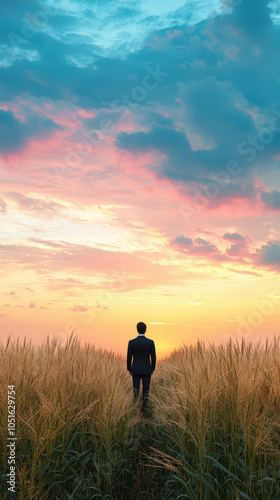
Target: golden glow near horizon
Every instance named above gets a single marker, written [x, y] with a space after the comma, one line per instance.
[102, 308]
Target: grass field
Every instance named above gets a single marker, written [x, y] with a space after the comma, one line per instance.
[212, 430]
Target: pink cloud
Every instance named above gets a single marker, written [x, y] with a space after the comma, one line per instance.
[12, 293]
[238, 244]
[79, 309]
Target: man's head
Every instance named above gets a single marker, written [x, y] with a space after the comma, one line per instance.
[141, 327]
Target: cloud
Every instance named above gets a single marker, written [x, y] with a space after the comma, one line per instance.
[252, 18]
[271, 199]
[238, 243]
[71, 285]
[238, 271]
[15, 133]
[3, 206]
[217, 114]
[198, 246]
[233, 237]
[34, 205]
[182, 240]
[211, 194]
[269, 254]
[120, 270]
[172, 144]
[3, 315]
[12, 293]
[105, 120]
[80, 308]
[32, 305]
[212, 109]
[214, 98]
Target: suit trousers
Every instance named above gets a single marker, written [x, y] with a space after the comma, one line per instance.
[146, 386]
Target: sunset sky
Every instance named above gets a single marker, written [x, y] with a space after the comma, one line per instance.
[139, 159]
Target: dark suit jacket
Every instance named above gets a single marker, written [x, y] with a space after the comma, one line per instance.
[141, 348]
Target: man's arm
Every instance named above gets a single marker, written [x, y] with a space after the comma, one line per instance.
[129, 357]
[153, 355]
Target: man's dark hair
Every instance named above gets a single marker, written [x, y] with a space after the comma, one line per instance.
[141, 327]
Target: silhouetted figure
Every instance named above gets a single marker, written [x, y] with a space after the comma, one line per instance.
[141, 349]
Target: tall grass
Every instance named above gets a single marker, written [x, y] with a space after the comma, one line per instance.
[212, 432]
[219, 408]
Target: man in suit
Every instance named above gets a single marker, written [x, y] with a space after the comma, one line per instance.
[141, 349]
